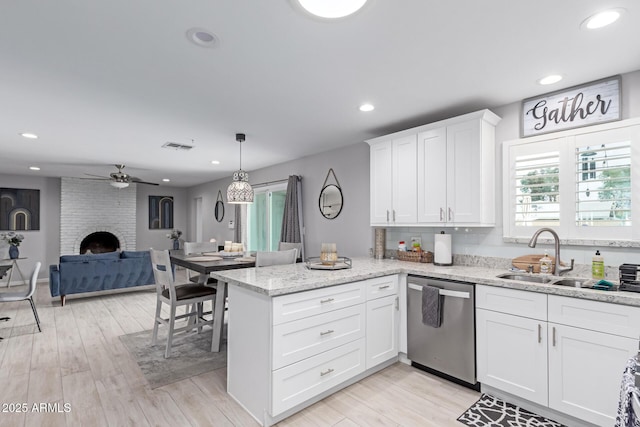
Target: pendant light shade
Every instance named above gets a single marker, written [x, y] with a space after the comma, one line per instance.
[240, 191]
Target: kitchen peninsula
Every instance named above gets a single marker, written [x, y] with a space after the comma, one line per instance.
[297, 335]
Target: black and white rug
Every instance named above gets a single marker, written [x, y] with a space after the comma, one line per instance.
[490, 411]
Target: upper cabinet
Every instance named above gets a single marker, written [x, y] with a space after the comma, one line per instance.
[438, 174]
[393, 181]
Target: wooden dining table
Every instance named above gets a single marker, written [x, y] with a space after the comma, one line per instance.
[197, 263]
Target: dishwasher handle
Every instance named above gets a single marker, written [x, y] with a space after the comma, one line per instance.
[444, 292]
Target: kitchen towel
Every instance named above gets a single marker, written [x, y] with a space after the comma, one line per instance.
[442, 249]
[431, 306]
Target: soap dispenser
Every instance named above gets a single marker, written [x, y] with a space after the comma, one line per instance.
[597, 266]
[545, 264]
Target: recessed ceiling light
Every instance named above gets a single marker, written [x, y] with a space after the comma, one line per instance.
[332, 8]
[602, 19]
[166, 180]
[34, 168]
[215, 162]
[29, 135]
[367, 107]
[550, 79]
[202, 37]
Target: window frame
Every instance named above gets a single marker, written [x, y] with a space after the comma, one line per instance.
[566, 142]
[257, 190]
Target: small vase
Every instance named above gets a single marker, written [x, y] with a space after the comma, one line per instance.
[176, 244]
[14, 253]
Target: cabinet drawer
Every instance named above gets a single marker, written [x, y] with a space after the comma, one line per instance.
[381, 287]
[294, 341]
[512, 301]
[615, 319]
[296, 383]
[304, 304]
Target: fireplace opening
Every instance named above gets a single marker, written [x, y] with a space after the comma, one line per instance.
[99, 242]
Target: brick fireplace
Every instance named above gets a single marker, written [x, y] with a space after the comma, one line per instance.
[90, 206]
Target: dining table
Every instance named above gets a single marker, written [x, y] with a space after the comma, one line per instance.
[205, 264]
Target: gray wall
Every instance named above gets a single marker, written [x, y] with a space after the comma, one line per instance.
[350, 230]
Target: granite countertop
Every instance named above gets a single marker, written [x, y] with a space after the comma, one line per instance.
[286, 279]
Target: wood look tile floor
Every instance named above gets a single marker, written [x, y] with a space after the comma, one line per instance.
[79, 361]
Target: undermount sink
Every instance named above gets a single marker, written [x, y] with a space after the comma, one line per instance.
[576, 283]
[525, 277]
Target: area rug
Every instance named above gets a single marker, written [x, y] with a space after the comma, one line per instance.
[190, 356]
[490, 411]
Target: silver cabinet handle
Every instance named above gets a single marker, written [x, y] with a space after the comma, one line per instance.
[394, 215]
[324, 301]
[327, 372]
[539, 333]
[330, 331]
[450, 215]
[441, 214]
[397, 303]
[383, 287]
[553, 340]
[387, 215]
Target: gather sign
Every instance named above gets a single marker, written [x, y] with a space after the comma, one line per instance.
[589, 104]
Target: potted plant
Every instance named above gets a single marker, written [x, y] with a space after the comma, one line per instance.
[14, 240]
[175, 236]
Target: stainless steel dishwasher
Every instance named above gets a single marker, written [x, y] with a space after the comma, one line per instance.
[450, 350]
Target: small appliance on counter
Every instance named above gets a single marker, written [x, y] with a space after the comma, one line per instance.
[629, 277]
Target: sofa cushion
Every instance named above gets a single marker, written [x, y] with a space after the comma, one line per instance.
[135, 254]
[89, 258]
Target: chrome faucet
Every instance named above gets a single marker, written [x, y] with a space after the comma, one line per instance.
[532, 244]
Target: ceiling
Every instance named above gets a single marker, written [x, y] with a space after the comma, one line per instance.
[110, 82]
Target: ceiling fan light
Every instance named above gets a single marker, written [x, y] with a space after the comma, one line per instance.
[119, 184]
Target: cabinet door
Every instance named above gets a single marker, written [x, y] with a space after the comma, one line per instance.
[512, 354]
[382, 330]
[432, 174]
[404, 182]
[585, 370]
[463, 172]
[380, 181]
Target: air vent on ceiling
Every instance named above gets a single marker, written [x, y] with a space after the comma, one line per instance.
[177, 146]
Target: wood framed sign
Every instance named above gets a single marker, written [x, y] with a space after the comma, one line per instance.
[584, 105]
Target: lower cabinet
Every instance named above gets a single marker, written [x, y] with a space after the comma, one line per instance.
[570, 358]
[382, 330]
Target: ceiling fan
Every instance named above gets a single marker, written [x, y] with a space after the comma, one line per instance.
[120, 179]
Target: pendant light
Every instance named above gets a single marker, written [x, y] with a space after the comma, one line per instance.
[240, 191]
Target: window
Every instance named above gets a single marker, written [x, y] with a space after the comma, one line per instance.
[264, 218]
[580, 183]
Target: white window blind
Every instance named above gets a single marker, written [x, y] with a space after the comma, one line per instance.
[603, 185]
[537, 189]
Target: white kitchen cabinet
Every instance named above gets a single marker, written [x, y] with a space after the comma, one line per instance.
[382, 330]
[452, 182]
[393, 181]
[456, 173]
[511, 350]
[564, 353]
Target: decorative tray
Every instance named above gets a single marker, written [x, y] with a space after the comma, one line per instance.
[314, 263]
[230, 254]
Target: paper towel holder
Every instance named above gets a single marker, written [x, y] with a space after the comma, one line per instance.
[435, 253]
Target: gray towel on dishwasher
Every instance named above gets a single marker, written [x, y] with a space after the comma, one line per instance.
[627, 416]
[431, 306]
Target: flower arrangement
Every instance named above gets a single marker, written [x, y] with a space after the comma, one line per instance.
[12, 238]
[175, 234]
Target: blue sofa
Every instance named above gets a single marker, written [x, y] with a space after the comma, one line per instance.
[99, 272]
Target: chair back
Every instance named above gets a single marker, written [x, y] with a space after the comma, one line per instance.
[199, 247]
[162, 272]
[34, 280]
[264, 259]
[284, 246]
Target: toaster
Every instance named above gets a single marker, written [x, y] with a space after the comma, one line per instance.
[629, 277]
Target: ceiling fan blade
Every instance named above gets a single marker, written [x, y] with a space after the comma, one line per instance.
[97, 176]
[139, 181]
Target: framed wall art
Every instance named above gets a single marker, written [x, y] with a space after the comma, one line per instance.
[160, 212]
[19, 209]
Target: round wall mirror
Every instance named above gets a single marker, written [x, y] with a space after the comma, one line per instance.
[330, 201]
[219, 208]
